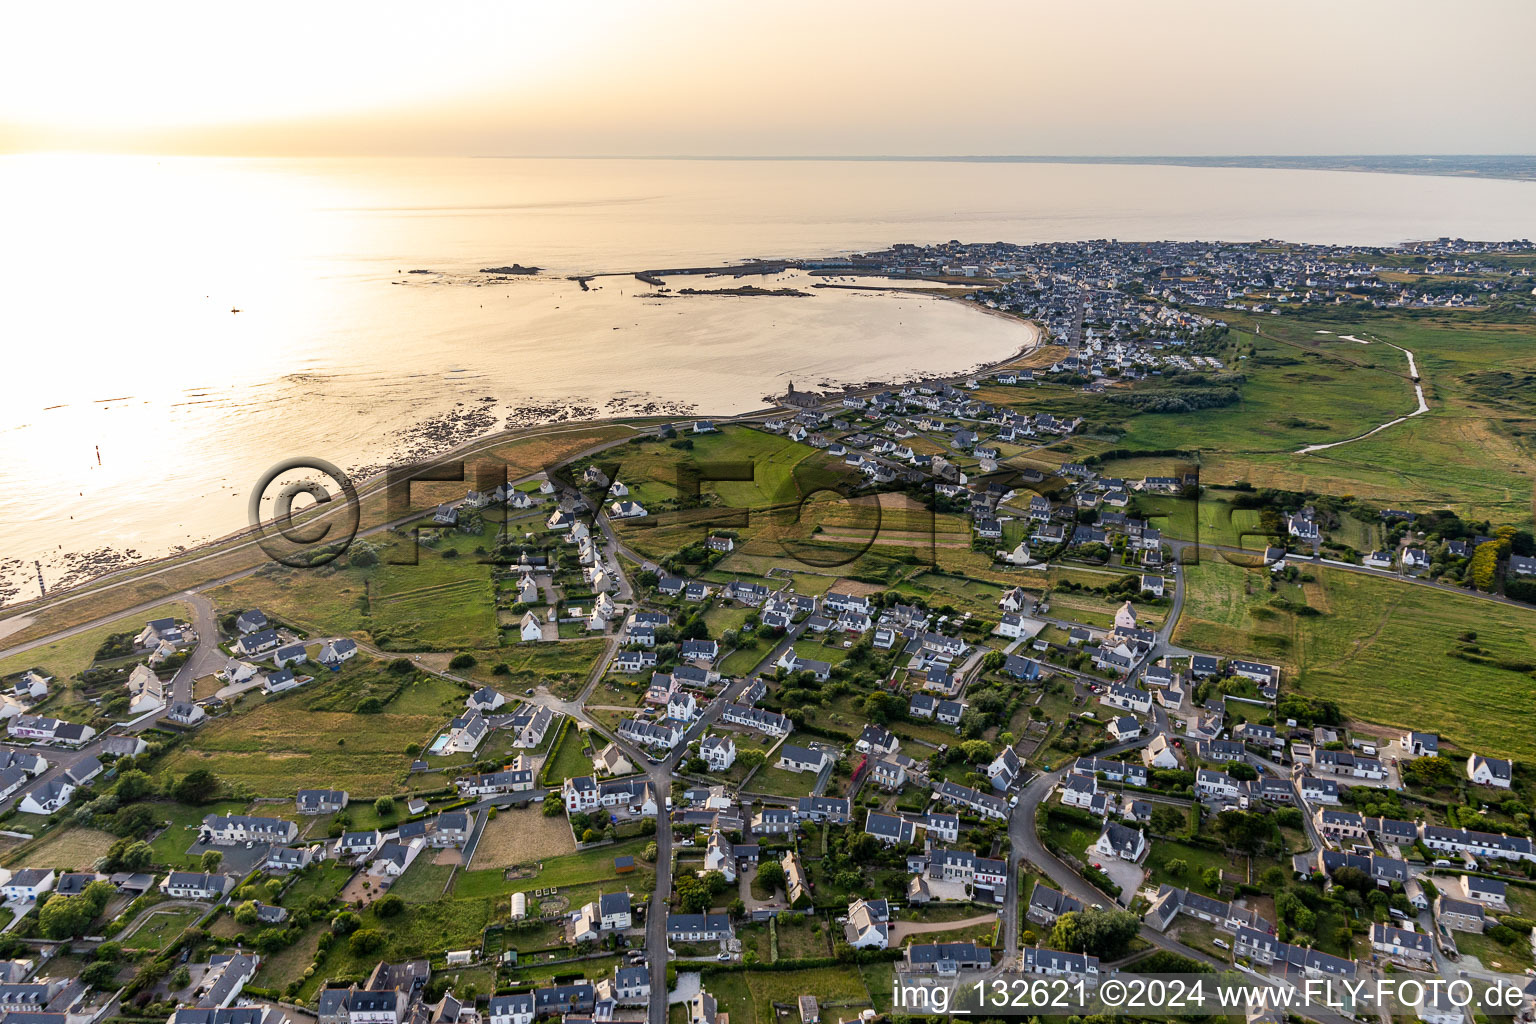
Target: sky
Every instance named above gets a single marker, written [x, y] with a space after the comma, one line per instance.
[848, 77]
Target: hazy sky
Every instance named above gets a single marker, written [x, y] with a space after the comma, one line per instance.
[1174, 77]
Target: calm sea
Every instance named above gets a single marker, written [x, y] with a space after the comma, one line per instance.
[120, 275]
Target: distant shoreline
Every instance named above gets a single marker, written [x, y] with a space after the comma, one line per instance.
[12, 613]
[1491, 166]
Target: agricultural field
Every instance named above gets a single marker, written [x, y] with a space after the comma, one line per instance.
[321, 736]
[1353, 650]
[522, 836]
[66, 849]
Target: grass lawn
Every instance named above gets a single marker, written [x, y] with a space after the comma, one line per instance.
[288, 965]
[161, 927]
[423, 881]
[1198, 860]
[569, 758]
[1516, 957]
[1352, 652]
[424, 930]
[803, 937]
[879, 979]
[537, 974]
[742, 661]
[1075, 839]
[318, 880]
[722, 617]
[537, 663]
[839, 987]
[778, 782]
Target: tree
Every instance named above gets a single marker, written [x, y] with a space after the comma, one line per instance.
[389, 906]
[366, 940]
[1243, 772]
[976, 751]
[1167, 821]
[883, 708]
[384, 807]
[345, 923]
[770, 874]
[133, 820]
[1241, 830]
[1212, 878]
[1430, 772]
[132, 785]
[462, 661]
[751, 758]
[182, 978]
[553, 805]
[211, 860]
[100, 975]
[245, 913]
[1102, 933]
[1177, 867]
[197, 787]
[362, 555]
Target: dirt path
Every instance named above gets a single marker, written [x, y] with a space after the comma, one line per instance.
[1418, 391]
[901, 929]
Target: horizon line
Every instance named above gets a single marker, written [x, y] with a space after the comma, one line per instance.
[993, 156]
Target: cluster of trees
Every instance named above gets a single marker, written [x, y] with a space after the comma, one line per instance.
[589, 827]
[1106, 934]
[125, 811]
[66, 917]
[697, 893]
[1308, 710]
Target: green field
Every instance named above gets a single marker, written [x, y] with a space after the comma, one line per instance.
[161, 927]
[73, 655]
[778, 782]
[568, 759]
[304, 739]
[1383, 649]
[323, 881]
[585, 867]
[1197, 859]
[652, 470]
[1301, 384]
[530, 664]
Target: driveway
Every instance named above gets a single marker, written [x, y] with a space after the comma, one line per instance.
[237, 859]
